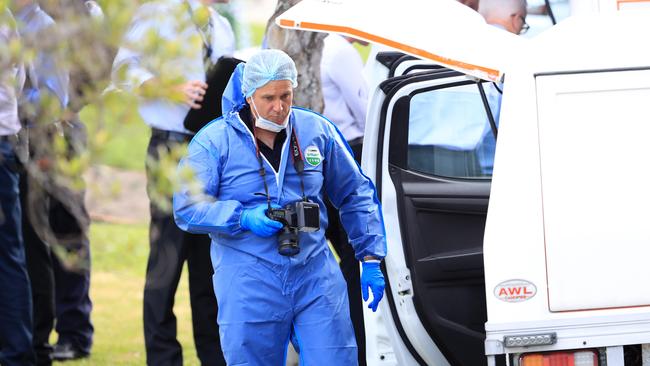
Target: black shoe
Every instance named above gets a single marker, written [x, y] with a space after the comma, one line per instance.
[66, 352]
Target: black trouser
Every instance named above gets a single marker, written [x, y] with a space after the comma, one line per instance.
[39, 267]
[336, 234]
[58, 292]
[169, 248]
[73, 305]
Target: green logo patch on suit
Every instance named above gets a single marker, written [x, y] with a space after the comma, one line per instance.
[313, 156]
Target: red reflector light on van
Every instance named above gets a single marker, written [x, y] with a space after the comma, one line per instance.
[562, 358]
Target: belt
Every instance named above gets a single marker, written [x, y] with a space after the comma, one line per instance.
[9, 138]
[357, 141]
[170, 135]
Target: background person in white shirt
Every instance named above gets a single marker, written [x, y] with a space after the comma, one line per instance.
[509, 15]
[345, 93]
[200, 36]
[344, 89]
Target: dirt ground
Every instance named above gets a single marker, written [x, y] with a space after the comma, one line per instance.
[116, 195]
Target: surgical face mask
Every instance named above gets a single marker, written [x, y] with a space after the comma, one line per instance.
[265, 124]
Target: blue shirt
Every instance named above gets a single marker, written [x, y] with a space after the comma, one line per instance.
[456, 119]
[487, 148]
[46, 72]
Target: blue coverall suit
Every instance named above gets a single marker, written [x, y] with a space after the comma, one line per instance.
[263, 295]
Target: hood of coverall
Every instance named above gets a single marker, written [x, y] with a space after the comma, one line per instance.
[233, 99]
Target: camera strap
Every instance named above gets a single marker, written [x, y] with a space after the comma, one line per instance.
[298, 161]
[298, 164]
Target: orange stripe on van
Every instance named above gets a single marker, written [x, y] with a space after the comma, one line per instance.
[619, 2]
[287, 23]
[490, 73]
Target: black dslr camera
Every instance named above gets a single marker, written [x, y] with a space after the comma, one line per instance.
[298, 216]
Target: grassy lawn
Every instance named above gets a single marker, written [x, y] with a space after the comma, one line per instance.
[117, 135]
[119, 255]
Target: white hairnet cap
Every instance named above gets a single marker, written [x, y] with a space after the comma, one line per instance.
[265, 66]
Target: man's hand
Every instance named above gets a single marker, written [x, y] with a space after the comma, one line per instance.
[193, 92]
[190, 92]
[255, 220]
[372, 277]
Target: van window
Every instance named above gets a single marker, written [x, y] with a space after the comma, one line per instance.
[449, 132]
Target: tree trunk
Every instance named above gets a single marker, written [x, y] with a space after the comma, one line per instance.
[305, 48]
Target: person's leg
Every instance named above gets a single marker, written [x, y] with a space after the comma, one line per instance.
[73, 304]
[203, 301]
[350, 269]
[254, 312]
[166, 257]
[15, 297]
[322, 322]
[41, 275]
[163, 273]
[73, 308]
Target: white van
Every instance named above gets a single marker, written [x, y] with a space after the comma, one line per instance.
[539, 255]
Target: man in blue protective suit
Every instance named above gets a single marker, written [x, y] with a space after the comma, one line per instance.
[263, 153]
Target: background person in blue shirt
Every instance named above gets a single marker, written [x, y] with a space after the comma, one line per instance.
[509, 15]
[265, 153]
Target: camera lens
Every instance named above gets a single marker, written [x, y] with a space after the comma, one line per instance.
[288, 242]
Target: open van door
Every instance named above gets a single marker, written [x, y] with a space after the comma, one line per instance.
[432, 166]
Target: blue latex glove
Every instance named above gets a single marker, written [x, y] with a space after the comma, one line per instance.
[255, 220]
[372, 277]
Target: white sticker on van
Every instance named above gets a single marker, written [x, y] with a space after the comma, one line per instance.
[515, 291]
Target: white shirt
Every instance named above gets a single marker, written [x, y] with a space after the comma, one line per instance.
[223, 34]
[344, 89]
[171, 21]
[12, 78]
